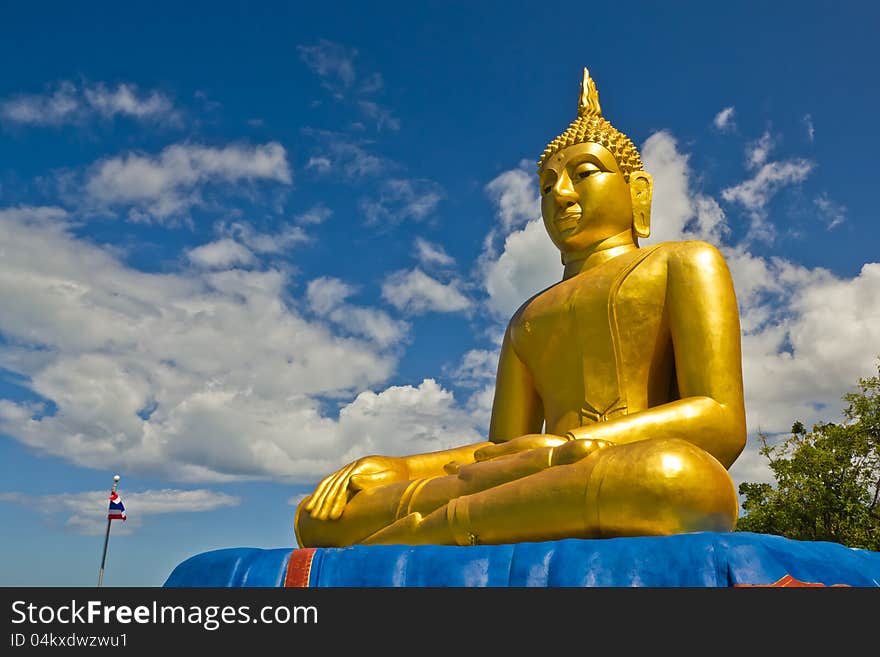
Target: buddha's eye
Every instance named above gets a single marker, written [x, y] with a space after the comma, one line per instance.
[547, 189]
[585, 170]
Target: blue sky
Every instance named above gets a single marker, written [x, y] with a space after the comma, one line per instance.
[241, 246]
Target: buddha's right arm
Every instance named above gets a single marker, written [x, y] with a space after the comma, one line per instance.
[516, 411]
[433, 464]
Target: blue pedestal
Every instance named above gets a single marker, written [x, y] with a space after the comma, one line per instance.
[685, 560]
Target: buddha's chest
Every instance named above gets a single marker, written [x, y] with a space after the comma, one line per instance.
[589, 341]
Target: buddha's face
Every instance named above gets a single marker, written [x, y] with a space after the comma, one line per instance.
[584, 197]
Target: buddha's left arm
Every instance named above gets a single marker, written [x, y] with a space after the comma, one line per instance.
[705, 330]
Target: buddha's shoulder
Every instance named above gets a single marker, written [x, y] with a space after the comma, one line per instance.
[540, 303]
[685, 250]
[691, 256]
[682, 255]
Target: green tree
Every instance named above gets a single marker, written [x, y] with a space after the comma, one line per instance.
[827, 480]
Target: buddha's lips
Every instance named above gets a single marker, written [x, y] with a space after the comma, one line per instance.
[568, 219]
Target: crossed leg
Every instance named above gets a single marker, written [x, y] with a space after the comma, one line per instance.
[651, 487]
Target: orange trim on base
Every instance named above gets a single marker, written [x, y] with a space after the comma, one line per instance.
[299, 568]
[788, 581]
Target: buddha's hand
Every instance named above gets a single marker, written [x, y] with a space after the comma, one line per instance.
[577, 449]
[331, 495]
[518, 444]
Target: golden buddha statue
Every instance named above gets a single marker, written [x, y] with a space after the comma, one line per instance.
[618, 401]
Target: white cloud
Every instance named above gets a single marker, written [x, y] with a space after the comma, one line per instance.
[833, 213]
[172, 182]
[677, 211]
[406, 420]
[199, 376]
[672, 206]
[296, 499]
[758, 150]
[371, 323]
[222, 254]
[86, 512]
[326, 293]
[125, 100]
[755, 193]
[316, 215]
[515, 193]
[327, 298]
[477, 367]
[529, 262]
[332, 62]
[379, 115]
[401, 199]
[724, 119]
[355, 161]
[751, 465]
[479, 405]
[807, 339]
[277, 242]
[68, 103]
[320, 164]
[415, 292]
[341, 152]
[372, 83]
[476, 372]
[60, 106]
[808, 336]
[432, 254]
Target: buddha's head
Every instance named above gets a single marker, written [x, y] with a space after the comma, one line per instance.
[591, 180]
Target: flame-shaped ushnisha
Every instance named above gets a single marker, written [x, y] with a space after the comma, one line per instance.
[591, 127]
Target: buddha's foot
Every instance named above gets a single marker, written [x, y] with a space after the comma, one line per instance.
[396, 532]
[415, 529]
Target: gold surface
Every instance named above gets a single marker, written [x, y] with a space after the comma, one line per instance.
[618, 400]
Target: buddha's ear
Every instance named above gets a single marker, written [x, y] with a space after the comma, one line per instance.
[641, 186]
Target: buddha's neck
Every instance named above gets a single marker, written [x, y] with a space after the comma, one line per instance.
[596, 254]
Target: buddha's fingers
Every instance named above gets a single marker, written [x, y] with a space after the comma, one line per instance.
[314, 506]
[361, 481]
[310, 503]
[338, 492]
[319, 492]
[452, 467]
[497, 452]
[324, 503]
[577, 449]
[487, 453]
[516, 445]
[356, 482]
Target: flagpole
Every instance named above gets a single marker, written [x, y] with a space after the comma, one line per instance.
[107, 535]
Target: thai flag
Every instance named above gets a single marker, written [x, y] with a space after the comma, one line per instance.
[117, 508]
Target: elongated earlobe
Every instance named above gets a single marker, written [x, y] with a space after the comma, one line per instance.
[641, 186]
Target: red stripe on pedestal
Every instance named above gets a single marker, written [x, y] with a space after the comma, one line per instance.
[299, 568]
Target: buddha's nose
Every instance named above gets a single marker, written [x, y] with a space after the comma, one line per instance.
[564, 192]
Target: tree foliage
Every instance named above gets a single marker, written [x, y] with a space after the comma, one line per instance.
[827, 480]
